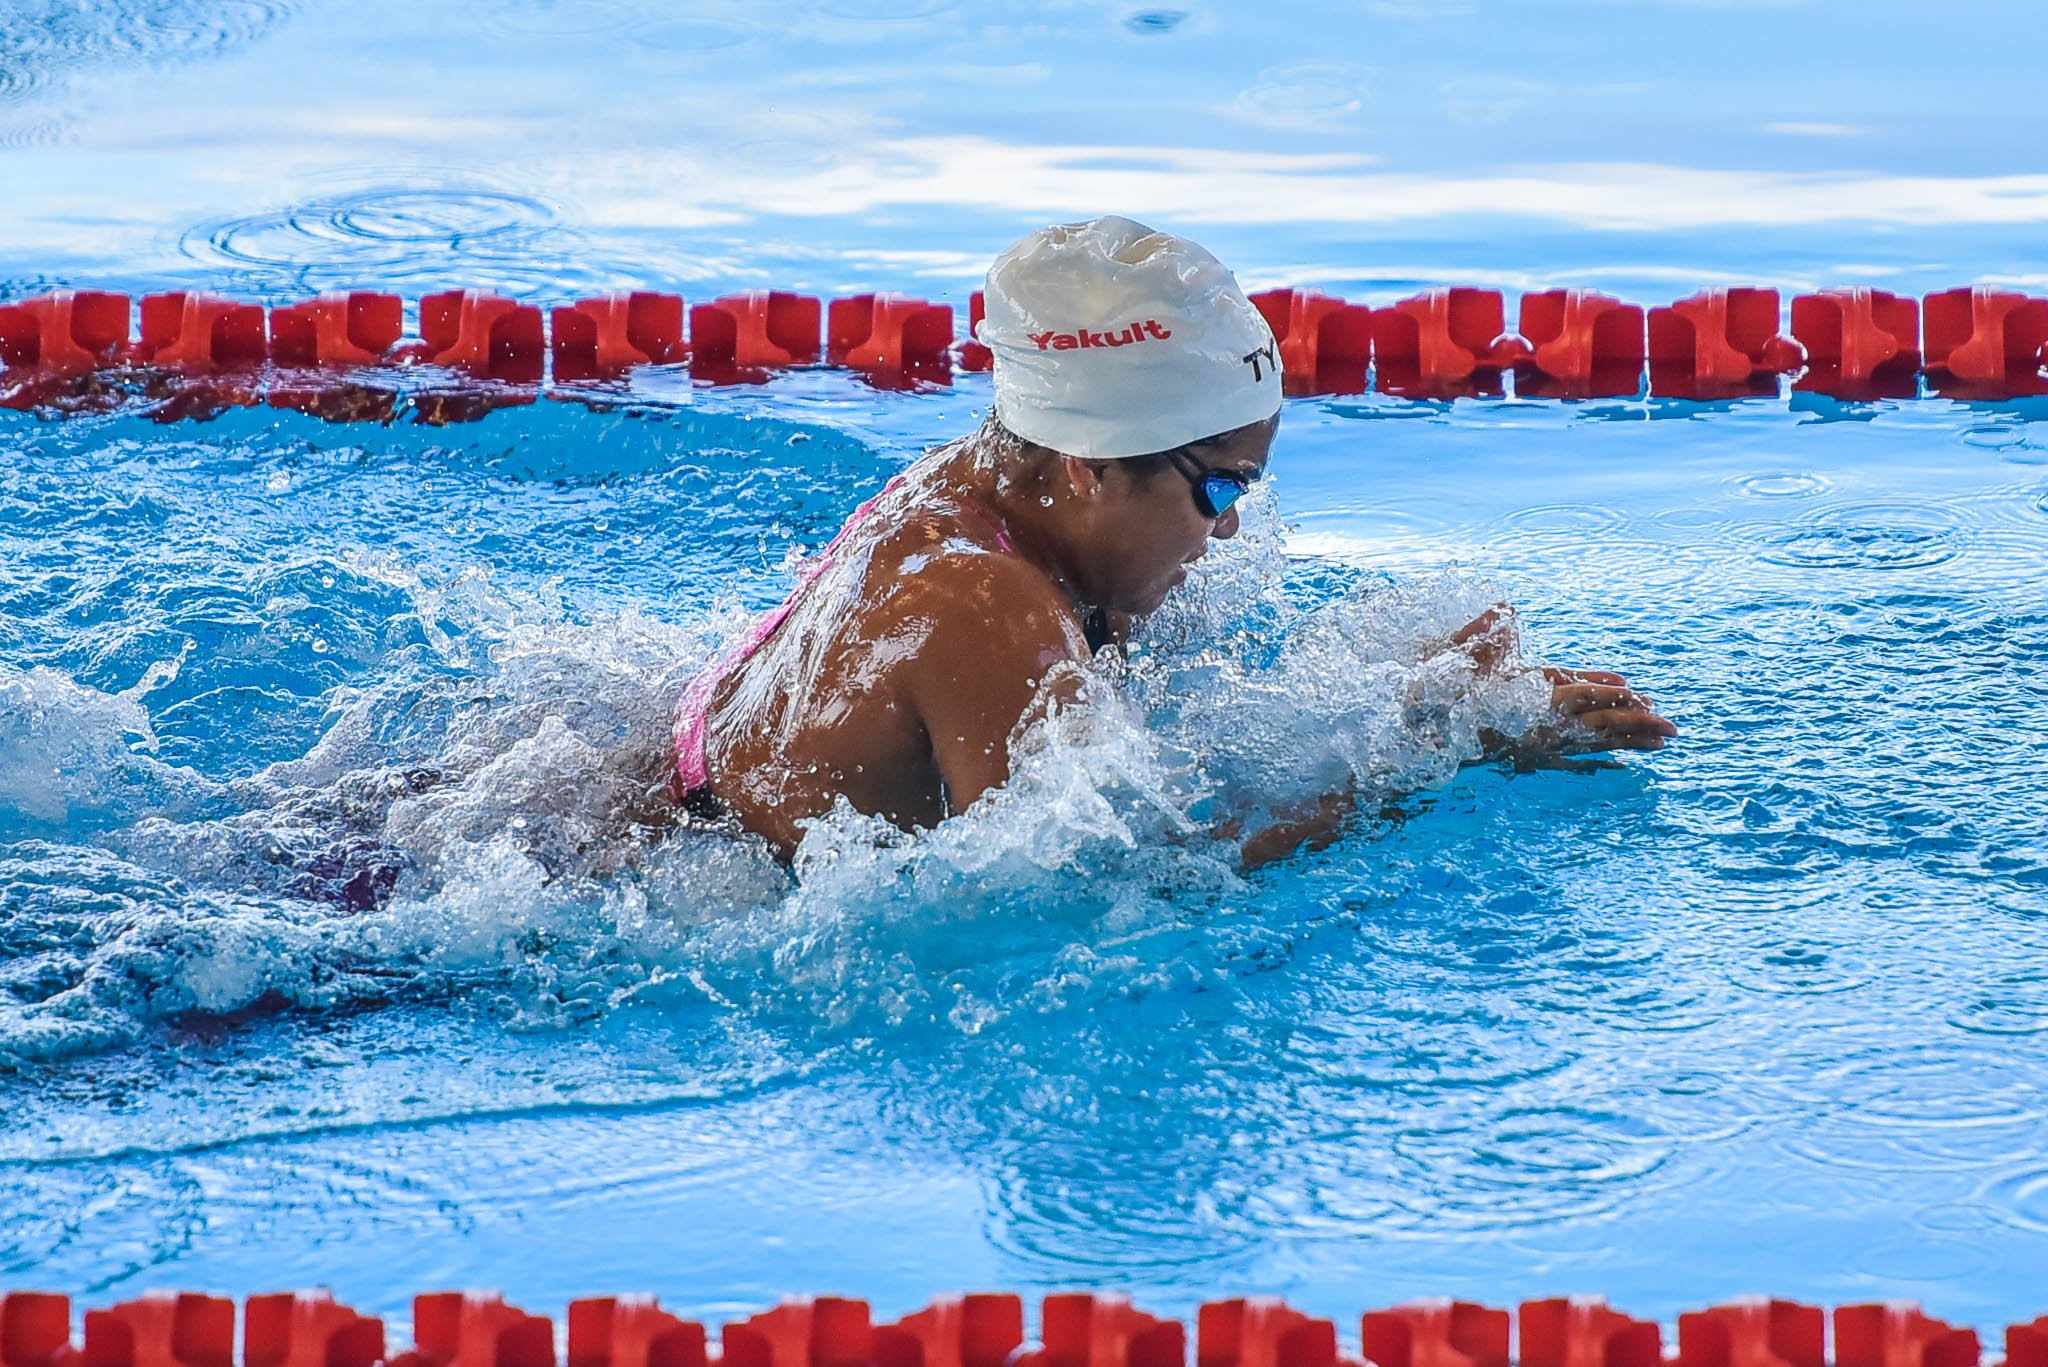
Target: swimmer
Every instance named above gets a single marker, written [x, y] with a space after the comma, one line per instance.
[1137, 393]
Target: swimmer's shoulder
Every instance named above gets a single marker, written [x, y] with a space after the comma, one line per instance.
[950, 573]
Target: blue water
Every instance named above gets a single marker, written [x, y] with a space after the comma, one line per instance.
[1766, 1011]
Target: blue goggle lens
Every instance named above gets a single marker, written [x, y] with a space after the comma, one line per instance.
[1219, 492]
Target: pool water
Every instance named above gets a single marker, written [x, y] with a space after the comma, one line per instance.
[324, 957]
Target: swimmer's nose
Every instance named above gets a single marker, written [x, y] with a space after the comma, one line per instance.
[1226, 525]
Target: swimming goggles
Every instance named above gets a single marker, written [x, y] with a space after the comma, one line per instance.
[1215, 490]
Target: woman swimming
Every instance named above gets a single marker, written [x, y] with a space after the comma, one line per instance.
[1137, 396]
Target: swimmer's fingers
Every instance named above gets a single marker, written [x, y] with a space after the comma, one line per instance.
[1609, 717]
[1620, 728]
[1577, 698]
[1601, 676]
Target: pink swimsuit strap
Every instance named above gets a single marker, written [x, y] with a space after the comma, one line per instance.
[693, 713]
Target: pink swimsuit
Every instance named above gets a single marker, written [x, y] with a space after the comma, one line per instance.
[693, 773]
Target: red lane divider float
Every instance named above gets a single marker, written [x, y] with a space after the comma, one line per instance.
[988, 1330]
[1442, 344]
[195, 354]
[896, 342]
[632, 1331]
[35, 1329]
[1325, 343]
[453, 1330]
[601, 339]
[183, 1330]
[740, 338]
[1262, 1333]
[1719, 344]
[1899, 1336]
[308, 1331]
[1579, 344]
[67, 333]
[2026, 1345]
[1860, 343]
[1987, 343]
[1756, 1334]
[1436, 1334]
[955, 1331]
[1580, 1332]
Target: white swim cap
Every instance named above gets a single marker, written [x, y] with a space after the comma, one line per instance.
[1112, 340]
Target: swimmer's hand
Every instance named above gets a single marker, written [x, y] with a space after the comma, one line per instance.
[1594, 709]
[1597, 710]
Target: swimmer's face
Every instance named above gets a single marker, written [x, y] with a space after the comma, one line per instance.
[1147, 526]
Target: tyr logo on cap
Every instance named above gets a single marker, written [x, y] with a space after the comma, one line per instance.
[1125, 336]
[1267, 353]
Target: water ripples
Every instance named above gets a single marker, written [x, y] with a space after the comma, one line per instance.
[1871, 536]
[1784, 484]
[396, 237]
[43, 40]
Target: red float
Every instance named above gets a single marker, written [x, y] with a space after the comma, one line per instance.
[1719, 344]
[1577, 344]
[603, 338]
[1081, 1330]
[1579, 1332]
[1860, 343]
[2026, 1345]
[1325, 343]
[1436, 1334]
[1899, 1336]
[1986, 343]
[336, 330]
[741, 337]
[956, 1331]
[71, 332]
[894, 340]
[483, 335]
[828, 1331]
[35, 1329]
[183, 1330]
[1441, 344]
[632, 1331]
[1262, 1333]
[453, 1330]
[199, 334]
[1753, 1334]
[308, 1331]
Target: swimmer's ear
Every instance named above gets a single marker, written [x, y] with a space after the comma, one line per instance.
[1084, 477]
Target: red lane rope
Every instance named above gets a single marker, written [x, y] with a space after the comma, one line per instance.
[199, 353]
[451, 1329]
